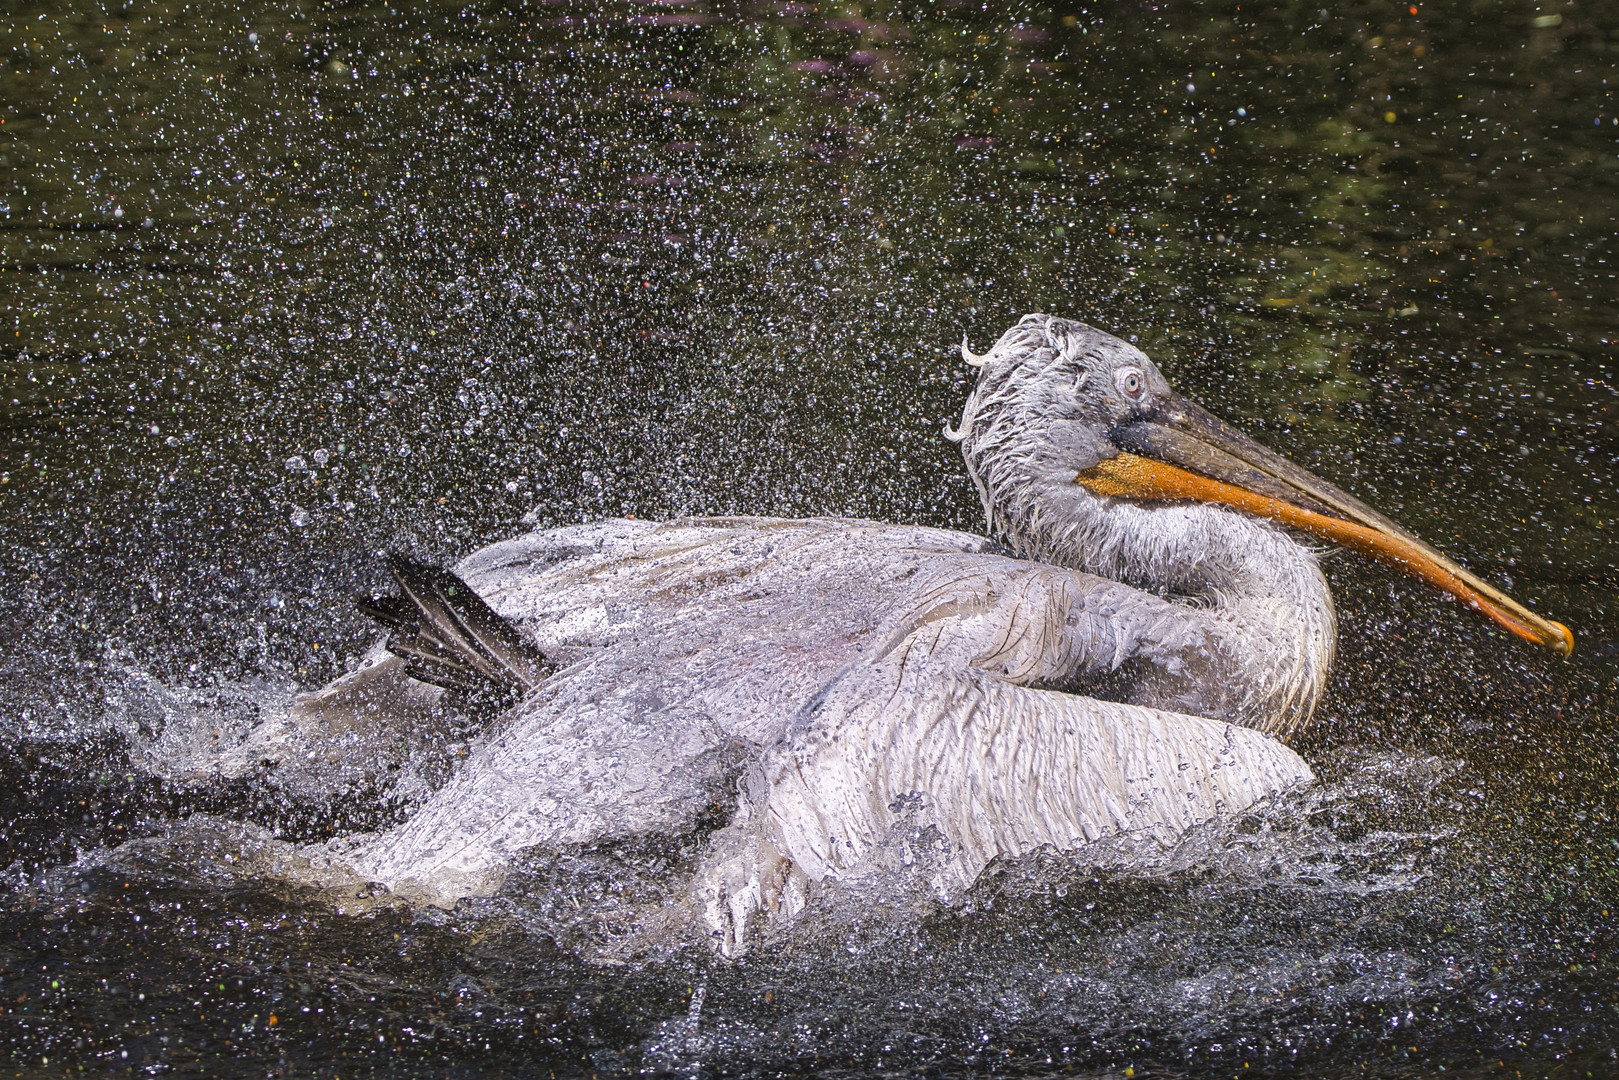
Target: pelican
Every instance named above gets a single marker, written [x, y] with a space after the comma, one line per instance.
[1126, 659]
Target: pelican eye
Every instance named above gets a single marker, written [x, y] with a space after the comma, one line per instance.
[1130, 381]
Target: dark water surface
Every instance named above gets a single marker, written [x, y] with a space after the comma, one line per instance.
[284, 285]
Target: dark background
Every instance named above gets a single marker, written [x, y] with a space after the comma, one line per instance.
[284, 285]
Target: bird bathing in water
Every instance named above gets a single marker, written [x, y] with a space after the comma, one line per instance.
[1126, 659]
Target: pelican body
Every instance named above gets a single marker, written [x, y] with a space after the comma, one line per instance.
[1123, 661]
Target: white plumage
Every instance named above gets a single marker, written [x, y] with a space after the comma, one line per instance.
[819, 681]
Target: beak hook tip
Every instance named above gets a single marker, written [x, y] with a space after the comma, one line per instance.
[1564, 645]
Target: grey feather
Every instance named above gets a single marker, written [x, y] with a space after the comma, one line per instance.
[448, 636]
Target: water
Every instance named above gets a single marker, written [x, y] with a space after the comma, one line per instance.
[288, 285]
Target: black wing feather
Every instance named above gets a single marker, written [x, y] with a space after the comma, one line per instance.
[447, 634]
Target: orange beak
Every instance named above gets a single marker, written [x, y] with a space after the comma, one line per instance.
[1131, 476]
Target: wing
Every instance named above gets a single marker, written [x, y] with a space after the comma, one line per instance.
[818, 580]
[689, 648]
[996, 768]
[1002, 769]
[953, 711]
[947, 724]
[751, 614]
[831, 590]
[852, 662]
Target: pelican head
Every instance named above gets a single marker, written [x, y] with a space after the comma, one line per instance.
[1085, 456]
